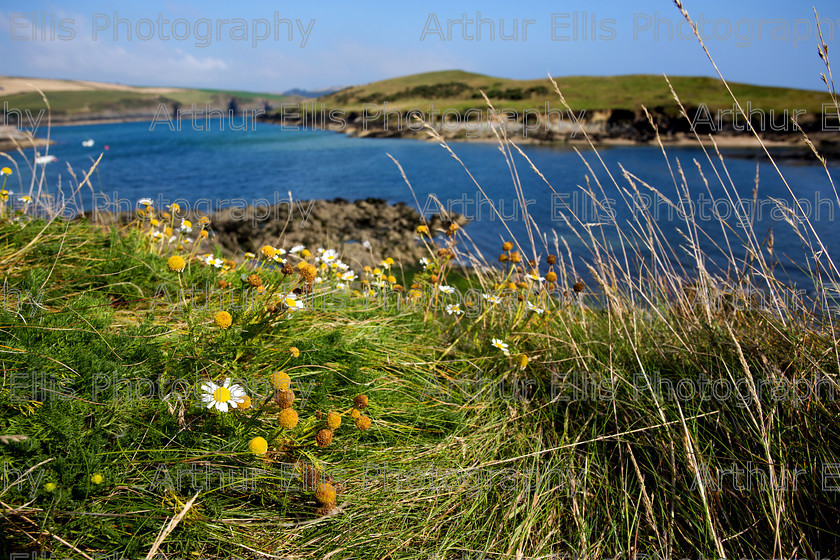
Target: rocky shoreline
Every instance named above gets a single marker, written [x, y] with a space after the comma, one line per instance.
[388, 229]
[607, 127]
[11, 139]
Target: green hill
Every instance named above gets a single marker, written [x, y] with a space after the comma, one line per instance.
[458, 90]
[76, 100]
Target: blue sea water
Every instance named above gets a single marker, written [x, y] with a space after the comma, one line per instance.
[262, 164]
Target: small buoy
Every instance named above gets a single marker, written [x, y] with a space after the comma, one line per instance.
[106, 147]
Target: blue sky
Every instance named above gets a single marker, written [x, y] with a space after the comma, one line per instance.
[771, 42]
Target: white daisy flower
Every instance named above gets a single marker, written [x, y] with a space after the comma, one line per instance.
[222, 397]
[534, 275]
[292, 302]
[146, 202]
[454, 308]
[348, 276]
[501, 346]
[329, 256]
[366, 244]
[447, 289]
[425, 262]
[173, 239]
[491, 298]
[297, 249]
[340, 286]
[534, 308]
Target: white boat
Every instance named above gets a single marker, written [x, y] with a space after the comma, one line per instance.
[87, 143]
[43, 160]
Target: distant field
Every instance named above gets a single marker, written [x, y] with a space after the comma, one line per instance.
[78, 99]
[459, 90]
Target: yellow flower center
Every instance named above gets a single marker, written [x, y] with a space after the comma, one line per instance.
[222, 394]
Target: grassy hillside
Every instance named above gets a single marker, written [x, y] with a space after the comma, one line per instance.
[107, 101]
[459, 90]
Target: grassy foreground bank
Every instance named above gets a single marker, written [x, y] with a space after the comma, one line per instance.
[509, 413]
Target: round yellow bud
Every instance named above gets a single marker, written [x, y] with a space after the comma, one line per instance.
[288, 418]
[268, 251]
[281, 381]
[223, 320]
[323, 438]
[360, 401]
[325, 493]
[258, 446]
[333, 421]
[176, 263]
[363, 423]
